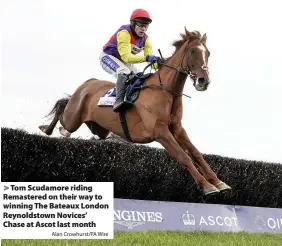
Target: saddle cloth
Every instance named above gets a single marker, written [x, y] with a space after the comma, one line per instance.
[132, 91]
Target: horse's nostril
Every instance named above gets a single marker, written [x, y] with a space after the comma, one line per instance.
[202, 81]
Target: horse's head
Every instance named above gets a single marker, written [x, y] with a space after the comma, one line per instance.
[194, 56]
[198, 62]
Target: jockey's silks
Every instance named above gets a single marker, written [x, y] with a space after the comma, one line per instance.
[126, 46]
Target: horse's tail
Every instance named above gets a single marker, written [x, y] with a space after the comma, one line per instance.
[59, 106]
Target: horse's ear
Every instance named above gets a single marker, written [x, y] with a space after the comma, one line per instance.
[187, 32]
[204, 38]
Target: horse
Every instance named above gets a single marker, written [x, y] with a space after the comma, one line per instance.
[156, 114]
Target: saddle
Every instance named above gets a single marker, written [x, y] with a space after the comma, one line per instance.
[133, 88]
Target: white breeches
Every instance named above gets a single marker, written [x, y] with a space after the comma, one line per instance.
[114, 66]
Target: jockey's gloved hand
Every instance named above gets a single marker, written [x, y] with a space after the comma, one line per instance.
[152, 58]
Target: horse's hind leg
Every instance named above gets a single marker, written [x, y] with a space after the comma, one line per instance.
[57, 110]
[48, 129]
[72, 118]
[69, 125]
[96, 129]
[64, 132]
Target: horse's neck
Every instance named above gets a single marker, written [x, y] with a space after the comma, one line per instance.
[171, 78]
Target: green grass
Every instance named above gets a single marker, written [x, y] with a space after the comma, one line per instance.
[152, 238]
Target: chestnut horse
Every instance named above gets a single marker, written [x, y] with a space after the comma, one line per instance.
[155, 116]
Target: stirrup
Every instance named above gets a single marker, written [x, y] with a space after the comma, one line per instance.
[122, 106]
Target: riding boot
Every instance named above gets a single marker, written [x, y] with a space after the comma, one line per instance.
[120, 104]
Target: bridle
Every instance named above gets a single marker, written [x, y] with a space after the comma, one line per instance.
[187, 71]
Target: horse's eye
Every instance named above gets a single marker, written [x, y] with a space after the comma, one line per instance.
[192, 50]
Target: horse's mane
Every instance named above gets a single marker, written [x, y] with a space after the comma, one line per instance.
[186, 36]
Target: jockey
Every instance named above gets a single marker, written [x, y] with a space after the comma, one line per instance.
[121, 52]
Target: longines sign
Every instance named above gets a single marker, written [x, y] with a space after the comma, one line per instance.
[139, 215]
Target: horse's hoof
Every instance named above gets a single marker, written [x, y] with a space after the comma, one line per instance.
[43, 128]
[211, 191]
[93, 139]
[64, 132]
[223, 187]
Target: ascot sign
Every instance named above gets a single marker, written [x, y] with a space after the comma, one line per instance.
[210, 220]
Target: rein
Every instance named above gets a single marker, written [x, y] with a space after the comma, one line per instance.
[161, 85]
[186, 71]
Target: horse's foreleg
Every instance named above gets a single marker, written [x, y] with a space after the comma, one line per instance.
[166, 139]
[182, 138]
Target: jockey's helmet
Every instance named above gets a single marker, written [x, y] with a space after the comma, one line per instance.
[140, 15]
